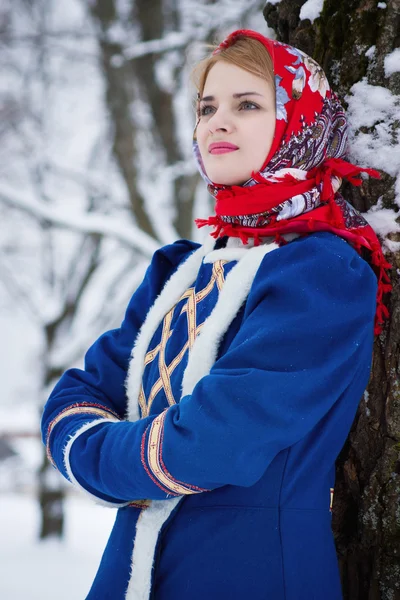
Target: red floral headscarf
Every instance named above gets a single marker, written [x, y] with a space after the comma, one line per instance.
[296, 190]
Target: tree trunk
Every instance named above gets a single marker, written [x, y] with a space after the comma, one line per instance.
[119, 80]
[51, 492]
[137, 78]
[366, 509]
[51, 486]
[153, 18]
[51, 500]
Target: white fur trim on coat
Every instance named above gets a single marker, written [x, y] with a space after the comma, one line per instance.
[201, 358]
[147, 530]
[235, 249]
[153, 517]
[235, 291]
[178, 283]
[225, 254]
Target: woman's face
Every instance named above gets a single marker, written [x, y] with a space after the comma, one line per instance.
[237, 123]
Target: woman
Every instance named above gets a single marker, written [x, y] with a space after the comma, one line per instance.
[213, 416]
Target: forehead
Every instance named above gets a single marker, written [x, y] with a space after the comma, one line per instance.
[225, 77]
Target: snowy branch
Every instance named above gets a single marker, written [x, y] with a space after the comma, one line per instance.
[19, 292]
[171, 41]
[128, 235]
[75, 346]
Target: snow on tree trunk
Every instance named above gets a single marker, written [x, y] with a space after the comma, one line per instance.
[355, 42]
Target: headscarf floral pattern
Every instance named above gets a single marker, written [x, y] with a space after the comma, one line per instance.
[311, 127]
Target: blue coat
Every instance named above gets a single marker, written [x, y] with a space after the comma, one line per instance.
[213, 420]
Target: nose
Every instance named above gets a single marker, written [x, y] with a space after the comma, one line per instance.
[220, 121]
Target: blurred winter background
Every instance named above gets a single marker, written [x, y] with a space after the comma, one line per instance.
[96, 172]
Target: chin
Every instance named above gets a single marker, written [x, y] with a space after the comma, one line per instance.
[228, 180]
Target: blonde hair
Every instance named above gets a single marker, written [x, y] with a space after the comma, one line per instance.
[247, 53]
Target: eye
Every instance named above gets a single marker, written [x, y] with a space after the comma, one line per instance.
[205, 110]
[247, 105]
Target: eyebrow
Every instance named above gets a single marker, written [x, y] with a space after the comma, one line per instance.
[212, 98]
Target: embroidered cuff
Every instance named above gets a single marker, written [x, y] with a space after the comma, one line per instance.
[83, 408]
[152, 460]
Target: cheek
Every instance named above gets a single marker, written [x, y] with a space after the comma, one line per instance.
[201, 140]
[262, 137]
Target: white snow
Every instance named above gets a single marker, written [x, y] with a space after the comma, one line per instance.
[382, 5]
[392, 62]
[77, 220]
[369, 104]
[19, 353]
[51, 569]
[85, 327]
[392, 247]
[370, 52]
[19, 417]
[378, 146]
[117, 61]
[382, 220]
[173, 40]
[116, 33]
[372, 112]
[311, 10]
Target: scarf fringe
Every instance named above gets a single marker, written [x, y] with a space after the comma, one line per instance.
[384, 287]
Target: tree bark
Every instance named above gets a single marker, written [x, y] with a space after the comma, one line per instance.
[366, 508]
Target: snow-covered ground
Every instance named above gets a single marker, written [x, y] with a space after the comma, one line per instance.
[33, 570]
[54, 569]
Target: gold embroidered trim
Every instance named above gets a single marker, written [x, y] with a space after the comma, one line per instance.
[153, 454]
[190, 307]
[164, 373]
[75, 410]
[92, 410]
[158, 385]
[191, 318]
[218, 272]
[150, 356]
[142, 402]
[142, 504]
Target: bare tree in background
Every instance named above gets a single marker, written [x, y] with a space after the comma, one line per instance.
[366, 511]
[152, 73]
[86, 228]
[52, 266]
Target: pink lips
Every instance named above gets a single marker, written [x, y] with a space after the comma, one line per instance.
[221, 148]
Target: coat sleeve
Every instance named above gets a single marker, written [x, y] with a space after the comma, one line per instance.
[84, 399]
[307, 332]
